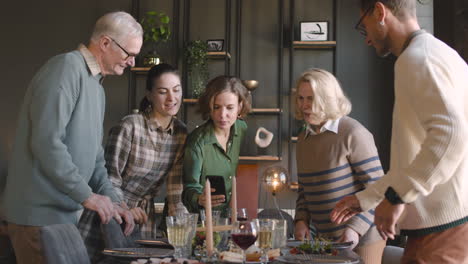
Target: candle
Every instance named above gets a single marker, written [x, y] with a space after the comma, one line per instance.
[234, 200]
[209, 219]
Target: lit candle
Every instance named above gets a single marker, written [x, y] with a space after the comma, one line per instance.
[234, 200]
[209, 219]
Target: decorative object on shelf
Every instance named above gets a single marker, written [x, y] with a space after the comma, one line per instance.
[215, 44]
[266, 140]
[314, 31]
[251, 85]
[197, 66]
[156, 30]
[275, 178]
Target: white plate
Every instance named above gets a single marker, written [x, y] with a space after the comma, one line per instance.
[317, 259]
[139, 252]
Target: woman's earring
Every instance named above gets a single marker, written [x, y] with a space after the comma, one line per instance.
[149, 109]
[382, 23]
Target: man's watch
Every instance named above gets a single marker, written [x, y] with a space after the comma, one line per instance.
[393, 197]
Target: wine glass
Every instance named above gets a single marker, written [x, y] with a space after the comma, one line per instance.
[178, 232]
[244, 235]
[242, 215]
[265, 236]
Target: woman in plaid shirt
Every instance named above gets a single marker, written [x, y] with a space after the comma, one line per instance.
[142, 152]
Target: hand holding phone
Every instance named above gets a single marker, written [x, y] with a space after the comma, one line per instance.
[218, 191]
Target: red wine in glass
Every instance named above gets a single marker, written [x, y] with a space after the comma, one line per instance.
[244, 235]
[242, 215]
[244, 241]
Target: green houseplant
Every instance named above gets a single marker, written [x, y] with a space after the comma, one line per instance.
[156, 30]
[197, 65]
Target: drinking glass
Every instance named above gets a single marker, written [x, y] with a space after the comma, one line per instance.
[215, 215]
[177, 227]
[244, 235]
[280, 233]
[192, 226]
[266, 228]
[242, 215]
[223, 244]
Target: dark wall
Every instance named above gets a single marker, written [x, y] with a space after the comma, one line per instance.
[451, 24]
[35, 31]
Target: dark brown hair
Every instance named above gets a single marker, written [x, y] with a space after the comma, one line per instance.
[153, 75]
[402, 9]
[219, 85]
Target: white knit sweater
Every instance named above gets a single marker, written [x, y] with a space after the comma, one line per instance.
[429, 157]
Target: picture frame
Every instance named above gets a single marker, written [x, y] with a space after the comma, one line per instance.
[314, 30]
[215, 44]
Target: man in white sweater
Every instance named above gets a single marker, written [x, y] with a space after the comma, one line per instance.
[425, 192]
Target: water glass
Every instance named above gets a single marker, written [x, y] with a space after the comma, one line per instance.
[280, 233]
[215, 215]
[192, 226]
[224, 235]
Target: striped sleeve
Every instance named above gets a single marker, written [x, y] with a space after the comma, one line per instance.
[366, 167]
[302, 213]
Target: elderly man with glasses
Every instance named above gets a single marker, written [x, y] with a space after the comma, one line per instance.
[57, 164]
[425, 192]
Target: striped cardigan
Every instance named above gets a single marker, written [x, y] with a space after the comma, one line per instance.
[331, 166]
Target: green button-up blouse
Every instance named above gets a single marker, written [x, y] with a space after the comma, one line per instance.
[205, 156]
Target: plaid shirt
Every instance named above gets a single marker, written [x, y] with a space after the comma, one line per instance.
[140, 156]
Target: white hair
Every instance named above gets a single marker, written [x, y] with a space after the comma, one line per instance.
[330, 102]
[118, 25]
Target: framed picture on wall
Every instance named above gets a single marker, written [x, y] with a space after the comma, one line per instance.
[215, 44]
[314, 31]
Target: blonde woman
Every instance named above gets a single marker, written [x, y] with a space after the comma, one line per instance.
[336, 156]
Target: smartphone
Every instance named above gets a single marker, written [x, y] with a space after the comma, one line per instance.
[217, 182]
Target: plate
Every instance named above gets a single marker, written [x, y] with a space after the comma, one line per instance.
[139, 252]
[160, 243]
[317, 259]
[335, 245]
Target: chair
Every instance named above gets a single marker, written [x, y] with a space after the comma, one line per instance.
[63, 245]
[279, 214]
[392, 255]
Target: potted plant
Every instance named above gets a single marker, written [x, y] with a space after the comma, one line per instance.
[156, 30]
[197, 66]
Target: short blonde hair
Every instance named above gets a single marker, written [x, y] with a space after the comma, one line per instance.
[118, 25]
[329, 102]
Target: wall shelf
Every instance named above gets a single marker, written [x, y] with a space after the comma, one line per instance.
[314, 44]
[190, 101]
[140, 69]
[218, 55]
[265, 111]
[259, 158]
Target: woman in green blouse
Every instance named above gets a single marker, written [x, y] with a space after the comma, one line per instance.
[213, 148]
